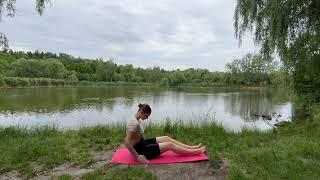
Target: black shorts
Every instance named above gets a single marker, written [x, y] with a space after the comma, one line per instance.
[148, 147]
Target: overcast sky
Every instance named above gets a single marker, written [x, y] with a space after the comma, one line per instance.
[167, 33]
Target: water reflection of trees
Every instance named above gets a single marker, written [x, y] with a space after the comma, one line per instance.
[60, 99]
[239, 103]
[249, 104]
[68, 99]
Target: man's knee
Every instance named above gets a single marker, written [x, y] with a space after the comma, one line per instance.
[166, 146]
[164, 138]
[170, 144]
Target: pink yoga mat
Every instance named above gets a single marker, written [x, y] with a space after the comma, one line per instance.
[123, 156]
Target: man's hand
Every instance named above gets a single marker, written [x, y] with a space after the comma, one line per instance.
[142, 159]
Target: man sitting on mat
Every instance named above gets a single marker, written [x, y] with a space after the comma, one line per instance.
[144, 149]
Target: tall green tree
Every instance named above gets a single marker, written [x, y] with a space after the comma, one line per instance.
[290, 28]
[32, 68]
[105, 71]
[251, 69]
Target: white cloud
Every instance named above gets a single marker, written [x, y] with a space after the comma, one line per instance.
[165, 33]
[20, 48]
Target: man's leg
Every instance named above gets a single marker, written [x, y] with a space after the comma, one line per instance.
[180, 150]
[163, 139]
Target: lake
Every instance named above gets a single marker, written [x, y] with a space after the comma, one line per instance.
[76, 107]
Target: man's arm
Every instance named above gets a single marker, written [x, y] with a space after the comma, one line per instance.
[128, 144]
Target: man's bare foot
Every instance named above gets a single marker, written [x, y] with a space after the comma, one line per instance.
[197, 146]
[200, 150]
[203, 149]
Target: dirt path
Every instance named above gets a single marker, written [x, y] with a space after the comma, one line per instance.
[196, 170]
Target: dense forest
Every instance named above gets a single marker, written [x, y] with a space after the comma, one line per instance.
[248, 70]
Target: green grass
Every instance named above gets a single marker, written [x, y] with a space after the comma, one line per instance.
[116, 172]
[47, 146]
[62, 177]
[291, 152]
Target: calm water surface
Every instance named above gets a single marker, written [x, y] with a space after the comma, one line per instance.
[75, 107]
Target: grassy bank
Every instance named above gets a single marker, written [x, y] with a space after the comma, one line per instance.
[291, 152]
[13, 82]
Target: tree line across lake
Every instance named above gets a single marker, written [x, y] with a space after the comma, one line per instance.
[249, 70]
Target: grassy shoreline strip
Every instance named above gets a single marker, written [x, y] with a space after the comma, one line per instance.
[290, 152]
[17, 82]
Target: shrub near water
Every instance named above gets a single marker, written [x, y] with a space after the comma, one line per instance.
[26, 82]
[1, 81]
[9, 81]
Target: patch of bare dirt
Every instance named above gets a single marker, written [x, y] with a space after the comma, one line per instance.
[203, 170]
[100, 157]
[13, 175]
[63, 169]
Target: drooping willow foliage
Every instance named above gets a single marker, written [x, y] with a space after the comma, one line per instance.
[7, 8]
[290, 28]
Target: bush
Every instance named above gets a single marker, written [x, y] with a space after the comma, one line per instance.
[57, 82]
[33, 68]
[1, 81]
[24, 82]
[11, 81]
[34, 82]
[164, 82]
[44, 82]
